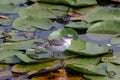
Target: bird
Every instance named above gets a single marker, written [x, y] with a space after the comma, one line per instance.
[57, 45]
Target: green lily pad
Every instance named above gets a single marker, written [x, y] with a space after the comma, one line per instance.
[3, 67]
[87, 48]
[30, 24]
[8, 8]
[102, 27]
[113, 73]
[36, 11]
[23, 68]
[113, 59]
[72, 2]
[83, 60]
[89, 69]
[115, 40]
[12, 1]
[103, 14]
[62, 32]
[15, 35]
[22, 45]
[6, 22]
[78, 25]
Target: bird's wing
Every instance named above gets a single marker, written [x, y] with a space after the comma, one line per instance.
[57, 41]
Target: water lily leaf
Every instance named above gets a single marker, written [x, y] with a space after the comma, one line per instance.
[72, 2]
[6, 22]
[102, 27]
[3, 67]
[22, 45]
[12, 1]
[62, 32]
[103, 14]
[15, 35]
[78, 25]
[30, 24]
[115, 40]
[11, 60]
[7, 8]
[84, 48]
[89, 69]
[23, 68]
[36, 11]
[83, 60]
[99, 37]
[113, 73]
[113, 59]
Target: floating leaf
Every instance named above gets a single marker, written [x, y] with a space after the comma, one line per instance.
[22, 68]
[3, 67]
[7, 8]
[115, 40]
[89, 69]
[113, 73]
[30, 24]
[36, 11]
[104, 13]
[12, 1]
[6, 22]
[22, 45]
[84, 48]
[62, 32]
[78, 25]
[15, 35]
[72, 2]
[102, 27]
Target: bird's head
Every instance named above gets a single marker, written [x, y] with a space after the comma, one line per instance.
[69, 37]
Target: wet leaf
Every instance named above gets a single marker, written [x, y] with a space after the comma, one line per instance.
[5, 22]
[12, 1]
[113, 59]
[3, 67]
[22, 45]
[104, 13]
[62, 32]
[115, 40]
[15, 35]
[7, 8]
[78, 25]
[36, 11]
[22, 68]
[113, 73]
[88, 68]
[84, 48]
[72, 2]
[83, 60]
[30, 24]
[102, 27]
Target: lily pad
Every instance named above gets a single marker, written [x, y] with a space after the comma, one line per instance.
[78, 25]
[62, 32]
[89, 69]
[30, 24]
[6, 22]
[72, 2]
[22, 45]
[84, 48]
[113, 73]
[15, 35]
[104, 13]
[102, 27]
[8, 8]
[36, 11]
[115, 40]
[23, 68]
[3, 67]
[12, 1]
